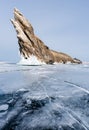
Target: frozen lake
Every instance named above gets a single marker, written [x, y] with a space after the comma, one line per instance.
[47, 97]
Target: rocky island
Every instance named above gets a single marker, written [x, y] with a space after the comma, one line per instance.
[31, 46]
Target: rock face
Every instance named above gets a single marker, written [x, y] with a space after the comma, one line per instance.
[30, 45]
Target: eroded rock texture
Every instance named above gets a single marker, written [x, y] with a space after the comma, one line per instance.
[30, 44]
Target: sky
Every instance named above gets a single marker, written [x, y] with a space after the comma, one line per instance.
[63, 25]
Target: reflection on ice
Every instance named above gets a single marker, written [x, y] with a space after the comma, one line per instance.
[54, 97]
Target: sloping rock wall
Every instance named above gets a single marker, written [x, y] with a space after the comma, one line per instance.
[30, 44]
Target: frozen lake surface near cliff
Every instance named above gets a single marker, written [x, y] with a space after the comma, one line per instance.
[48, 97]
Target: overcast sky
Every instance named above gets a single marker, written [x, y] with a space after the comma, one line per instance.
[63, 25]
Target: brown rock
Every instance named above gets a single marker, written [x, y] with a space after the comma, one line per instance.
[29, 44]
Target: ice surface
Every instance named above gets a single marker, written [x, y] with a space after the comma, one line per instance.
[3, 107]
[44, 97]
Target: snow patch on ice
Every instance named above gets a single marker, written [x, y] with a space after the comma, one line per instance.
[32, 60]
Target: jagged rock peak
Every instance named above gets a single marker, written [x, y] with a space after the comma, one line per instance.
[31, 46]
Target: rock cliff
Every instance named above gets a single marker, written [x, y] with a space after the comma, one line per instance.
[31, 45]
